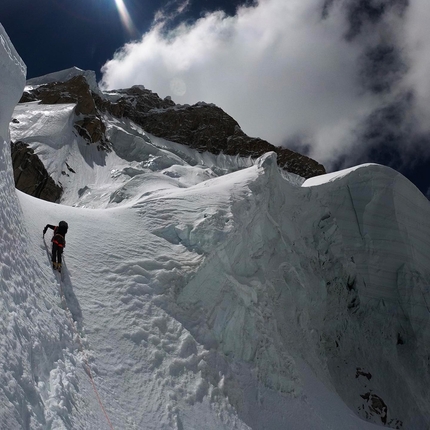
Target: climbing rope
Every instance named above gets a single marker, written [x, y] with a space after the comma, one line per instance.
[79, 341]
[84, 355]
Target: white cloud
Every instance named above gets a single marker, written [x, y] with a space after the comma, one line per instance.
[418, 48]
[277, 68]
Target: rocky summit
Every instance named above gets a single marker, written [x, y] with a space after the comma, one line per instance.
[202, 126]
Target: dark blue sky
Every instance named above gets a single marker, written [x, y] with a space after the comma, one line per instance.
[52, 35]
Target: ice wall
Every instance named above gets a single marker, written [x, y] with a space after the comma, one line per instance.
[13, 72]
[380, 345]
[36, 375]
[12, 75]
[335, 274]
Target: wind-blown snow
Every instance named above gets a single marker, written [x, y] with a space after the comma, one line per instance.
[208, 291]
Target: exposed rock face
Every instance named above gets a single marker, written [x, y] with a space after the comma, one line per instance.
[89, 123]
[206, 127]
[202, 126]
[75, 90]
[132, 102]
[30, 174]
[92, 129]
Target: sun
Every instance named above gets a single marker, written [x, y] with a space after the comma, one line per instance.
[126, 20]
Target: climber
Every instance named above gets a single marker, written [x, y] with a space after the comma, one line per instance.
[58, 242]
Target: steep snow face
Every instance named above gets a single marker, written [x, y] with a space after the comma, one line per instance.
[13, 70]
[382, 222]
[336, 274]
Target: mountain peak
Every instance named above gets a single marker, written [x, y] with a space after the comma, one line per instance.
[202, 126]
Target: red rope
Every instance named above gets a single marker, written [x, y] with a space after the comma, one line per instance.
[88, 368]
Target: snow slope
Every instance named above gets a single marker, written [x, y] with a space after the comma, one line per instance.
[205, 292]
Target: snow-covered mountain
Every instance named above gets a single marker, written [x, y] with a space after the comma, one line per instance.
[205, 291]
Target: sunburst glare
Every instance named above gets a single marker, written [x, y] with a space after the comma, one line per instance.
[125, 18]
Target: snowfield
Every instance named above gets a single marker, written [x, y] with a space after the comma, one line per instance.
[206, 292]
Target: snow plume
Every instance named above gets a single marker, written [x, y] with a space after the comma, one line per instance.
[316, 75]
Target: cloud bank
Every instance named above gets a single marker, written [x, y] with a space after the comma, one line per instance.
[338, 79]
